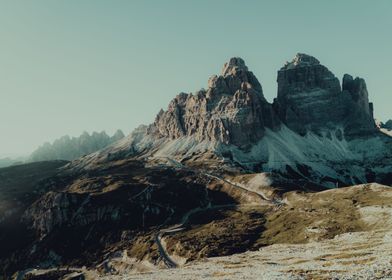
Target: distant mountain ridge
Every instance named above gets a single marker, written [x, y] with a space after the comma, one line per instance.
[8, 161]
[69, 148]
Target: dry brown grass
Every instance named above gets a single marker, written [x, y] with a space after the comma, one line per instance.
[314, 274]
[348, 255]
[306, 217]
[359, 262]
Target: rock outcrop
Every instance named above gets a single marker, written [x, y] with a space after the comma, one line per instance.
[316, 129]
[232, 110]
[310, 98]
[360, 117]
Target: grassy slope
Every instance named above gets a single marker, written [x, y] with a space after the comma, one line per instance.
[18, 182]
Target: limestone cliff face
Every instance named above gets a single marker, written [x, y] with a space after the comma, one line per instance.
[360, 119]
[231, 119]
[310, 98]
[232, 110]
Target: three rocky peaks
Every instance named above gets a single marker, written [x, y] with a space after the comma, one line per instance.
[233, 109]
[316, 130]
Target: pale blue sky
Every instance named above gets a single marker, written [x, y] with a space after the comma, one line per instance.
[75, 65]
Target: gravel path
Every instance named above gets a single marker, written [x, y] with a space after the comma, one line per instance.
[356, 255]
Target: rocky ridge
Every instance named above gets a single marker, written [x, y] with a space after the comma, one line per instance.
[67, 148]
[232, 110]
[316, 129]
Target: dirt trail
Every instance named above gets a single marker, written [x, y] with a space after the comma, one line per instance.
[168, 261]
[361, 253]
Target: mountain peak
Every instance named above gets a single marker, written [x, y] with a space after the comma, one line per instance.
[232, 110]
[310, 97]
[311, 119]
[301, 60]
[233, 65]
[119, 134]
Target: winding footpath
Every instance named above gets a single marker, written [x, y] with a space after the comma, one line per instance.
[260, 194]
[169, 262]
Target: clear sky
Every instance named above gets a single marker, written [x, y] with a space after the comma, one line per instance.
[75, 65]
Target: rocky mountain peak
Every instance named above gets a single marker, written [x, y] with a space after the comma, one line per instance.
[118, 135]
[304, 74]
[234, 65]
[311, 120]
[235, 76]
[354, 86]
[310, 98]
[307, 92]
[301, 60]
[232, 110]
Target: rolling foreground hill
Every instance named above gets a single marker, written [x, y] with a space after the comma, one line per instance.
[223, 185]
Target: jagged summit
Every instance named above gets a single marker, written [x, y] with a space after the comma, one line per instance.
[313, 122]
[354, 86]
[310, 98]
[235, 76]
[235, 64]
[301, 60]
[232, 110]
[118, 135]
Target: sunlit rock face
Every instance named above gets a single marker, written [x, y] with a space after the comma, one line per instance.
[232, 110]
[310, 98]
